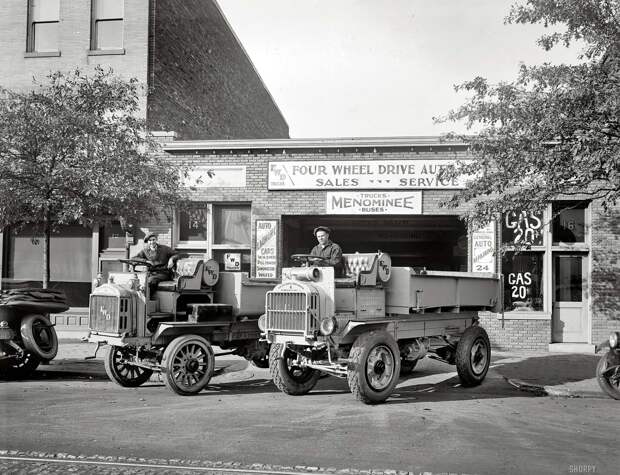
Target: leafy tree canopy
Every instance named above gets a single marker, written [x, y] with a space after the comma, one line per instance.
[73, 150]
[555, 130]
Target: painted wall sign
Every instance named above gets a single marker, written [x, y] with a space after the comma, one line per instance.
[375, 174]
[483, 249]
[232, 261]
[522, 227]
[266, 254]
[222, 177]
[375, 202]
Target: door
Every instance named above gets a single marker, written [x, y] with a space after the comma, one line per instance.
[570, 294]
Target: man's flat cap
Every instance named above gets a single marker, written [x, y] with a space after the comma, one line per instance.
[149, 236]
[322, 228]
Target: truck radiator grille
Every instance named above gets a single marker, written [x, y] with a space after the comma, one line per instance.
[109, 314]
[292, 312]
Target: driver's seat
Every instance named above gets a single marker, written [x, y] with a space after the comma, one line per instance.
[188, 276]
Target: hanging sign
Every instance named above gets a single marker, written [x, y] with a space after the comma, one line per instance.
[376, 202]
[266, 255]
[483, 249]
[367, 174]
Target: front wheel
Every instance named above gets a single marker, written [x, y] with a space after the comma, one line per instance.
[39, 336]
[288, 375]
[120, 370]
[187, 364]
[473, 356]
[374, 367]
[16, 368]
[608, 377]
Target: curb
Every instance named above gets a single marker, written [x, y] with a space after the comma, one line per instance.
[553, 391]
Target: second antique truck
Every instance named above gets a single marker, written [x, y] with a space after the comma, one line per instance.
[374, 324]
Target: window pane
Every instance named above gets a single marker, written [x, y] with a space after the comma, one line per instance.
[231, 225]
[44, 10]
[522, 227]
[193, 225]
[568, 279]
[108, 9]
[110, 34]
[46, 37]
[569, 225]
[523, 281]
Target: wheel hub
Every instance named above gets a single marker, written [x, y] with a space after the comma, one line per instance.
[379, 367]
[192, 365]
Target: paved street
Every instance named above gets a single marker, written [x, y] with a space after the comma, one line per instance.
[242, 424]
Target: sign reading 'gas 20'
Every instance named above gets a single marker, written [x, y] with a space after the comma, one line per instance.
[522, 228]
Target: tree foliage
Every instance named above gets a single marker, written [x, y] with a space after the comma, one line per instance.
[73, 150]
[555, 130]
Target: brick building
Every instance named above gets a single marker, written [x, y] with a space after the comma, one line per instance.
[265, 197]
[198, 82]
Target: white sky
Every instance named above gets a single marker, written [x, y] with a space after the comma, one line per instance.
[376, 68]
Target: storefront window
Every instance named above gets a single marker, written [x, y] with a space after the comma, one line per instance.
[232, 225]
[569, 222]
[193, 224]
[523, 274]
[522, 228]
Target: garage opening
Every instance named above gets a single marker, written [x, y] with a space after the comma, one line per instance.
[433, 242]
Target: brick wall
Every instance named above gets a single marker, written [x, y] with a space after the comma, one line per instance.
[530, 335]
[202, 83]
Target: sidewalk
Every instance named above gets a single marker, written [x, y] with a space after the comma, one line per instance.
[551, 374]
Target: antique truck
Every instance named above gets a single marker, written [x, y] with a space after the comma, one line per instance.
[172, 332]
[374, 324]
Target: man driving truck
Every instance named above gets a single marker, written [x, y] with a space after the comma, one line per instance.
[161, 257]
[328, 250]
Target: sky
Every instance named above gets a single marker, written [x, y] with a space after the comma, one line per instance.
[380, 68]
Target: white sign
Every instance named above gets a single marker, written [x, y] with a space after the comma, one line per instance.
[211, 177]
[232, 261]
[374, 202]
[483, 249]
[266, 249]
[375, 174]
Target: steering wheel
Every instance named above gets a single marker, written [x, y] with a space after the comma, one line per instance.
[137, 262]
[308, 259]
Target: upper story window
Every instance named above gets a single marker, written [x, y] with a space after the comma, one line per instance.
[569, 222]
[107, 24]
[43, 21]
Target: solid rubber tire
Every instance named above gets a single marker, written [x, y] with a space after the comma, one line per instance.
[356, 373]
[30, 336]
[115, 371]
[282, 377]
[468, 376]
[168, 361]
[612, 391]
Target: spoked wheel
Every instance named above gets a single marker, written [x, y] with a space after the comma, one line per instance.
[608, 377]
[120, 369]
[288, 375]
[19, 367]
[39, 336]
[473, 356]
[374, 367]
[188, 364]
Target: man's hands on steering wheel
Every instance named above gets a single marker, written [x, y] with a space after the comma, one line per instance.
[308, 259]
[140, 262]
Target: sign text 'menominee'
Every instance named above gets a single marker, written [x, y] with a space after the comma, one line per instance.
[375, 174]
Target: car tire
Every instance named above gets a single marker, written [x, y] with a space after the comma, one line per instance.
[608, 387]
[125, 374]
[39, 336]
[188, 364]
[473, 356]
[290, 378]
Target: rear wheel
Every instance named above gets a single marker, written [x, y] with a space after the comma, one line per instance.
[120, 370]
[39, 336]
[288, 375]
[187, 364]
[473, 356]
[374, 367]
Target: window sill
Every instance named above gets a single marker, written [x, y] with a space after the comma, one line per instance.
[103, 52]
[42, 54]
[524, 316]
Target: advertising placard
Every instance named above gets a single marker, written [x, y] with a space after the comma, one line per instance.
[522, 228]
[232, 261]
[266, 255]
[483, 249]
[375, 174]
[375, 202]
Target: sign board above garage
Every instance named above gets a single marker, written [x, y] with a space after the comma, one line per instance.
[375, 174]
[374, 202]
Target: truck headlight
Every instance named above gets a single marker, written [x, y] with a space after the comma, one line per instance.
[262, 322]
[328, 326]
[613, 340]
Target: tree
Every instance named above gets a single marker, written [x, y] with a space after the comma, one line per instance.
[73, 150]
[555, 130]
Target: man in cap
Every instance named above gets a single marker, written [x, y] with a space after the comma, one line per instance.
[161, 257]
[328, 250]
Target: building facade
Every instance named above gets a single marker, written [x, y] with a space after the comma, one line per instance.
[260, 201]
[197, 80]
